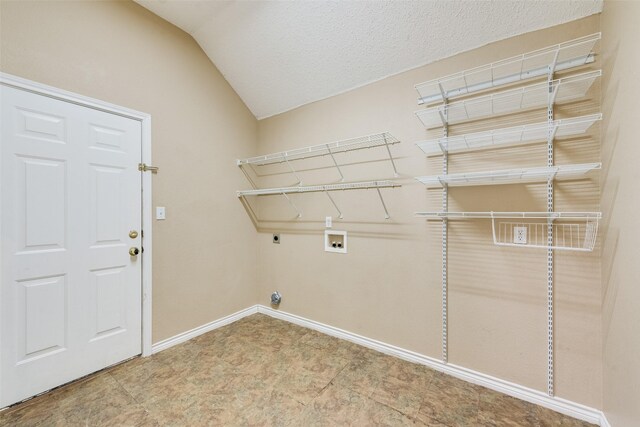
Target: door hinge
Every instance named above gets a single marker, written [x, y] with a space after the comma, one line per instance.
[143, 167]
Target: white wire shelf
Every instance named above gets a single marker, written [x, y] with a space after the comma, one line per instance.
[326, 188]
[316, 188]
[384, 139]
[577, 236]
[510, 215]
[509, 101]
[530, 65]
[368, 141]
[510, 176]
[508, 137]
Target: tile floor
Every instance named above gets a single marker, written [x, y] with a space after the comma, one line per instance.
[263, 371]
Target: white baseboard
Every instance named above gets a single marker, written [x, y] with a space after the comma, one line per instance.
[557, 404]
[186, 336]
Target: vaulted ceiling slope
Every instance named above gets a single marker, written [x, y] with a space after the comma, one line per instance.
[279, 55]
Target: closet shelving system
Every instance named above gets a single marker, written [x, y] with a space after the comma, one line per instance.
[329, 149]
[478, 86]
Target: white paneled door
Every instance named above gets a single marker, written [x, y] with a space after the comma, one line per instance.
[70, 301]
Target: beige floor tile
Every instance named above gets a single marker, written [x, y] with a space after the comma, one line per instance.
[266, 372]
[336, 406]
[302, 385]
[273, 409]
[496, 409]
[395, 393]
[377, 414]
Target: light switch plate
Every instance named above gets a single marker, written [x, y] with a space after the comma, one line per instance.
[328, 222]
[160, 212]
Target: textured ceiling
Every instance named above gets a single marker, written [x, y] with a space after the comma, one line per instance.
[279, 55]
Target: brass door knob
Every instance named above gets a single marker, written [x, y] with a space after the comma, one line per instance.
[134, 251]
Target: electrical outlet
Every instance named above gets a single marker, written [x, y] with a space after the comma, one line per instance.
[520, 235]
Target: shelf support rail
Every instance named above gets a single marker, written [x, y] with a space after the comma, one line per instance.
[334, 204]
[246, 174]
[393, 163]
[445, 208]
[384, 206]
[337, 167]
[293, 171]
[553, 91]
[292, 205]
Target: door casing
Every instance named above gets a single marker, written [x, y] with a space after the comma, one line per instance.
[145, 120]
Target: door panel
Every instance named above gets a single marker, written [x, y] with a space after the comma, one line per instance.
[42, 188]
[70, 296]
[109, 299]
[41, 309]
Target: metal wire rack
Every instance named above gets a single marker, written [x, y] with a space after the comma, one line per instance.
[509, 101]
[316, 188]
[508, 137]
[529, 65]
[510, 176]
[377, 185]
[384, 139]
[368, 141]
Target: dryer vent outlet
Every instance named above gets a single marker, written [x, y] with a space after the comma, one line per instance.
[276, 298]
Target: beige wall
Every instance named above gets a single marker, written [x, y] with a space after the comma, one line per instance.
[388, 286]
[620, 205]
[207, 263]
[204, 256]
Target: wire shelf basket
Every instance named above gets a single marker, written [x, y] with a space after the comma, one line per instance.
[573, 236]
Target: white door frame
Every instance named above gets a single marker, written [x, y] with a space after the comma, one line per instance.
[145, 120]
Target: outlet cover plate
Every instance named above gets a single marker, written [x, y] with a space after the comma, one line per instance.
[520, 235]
